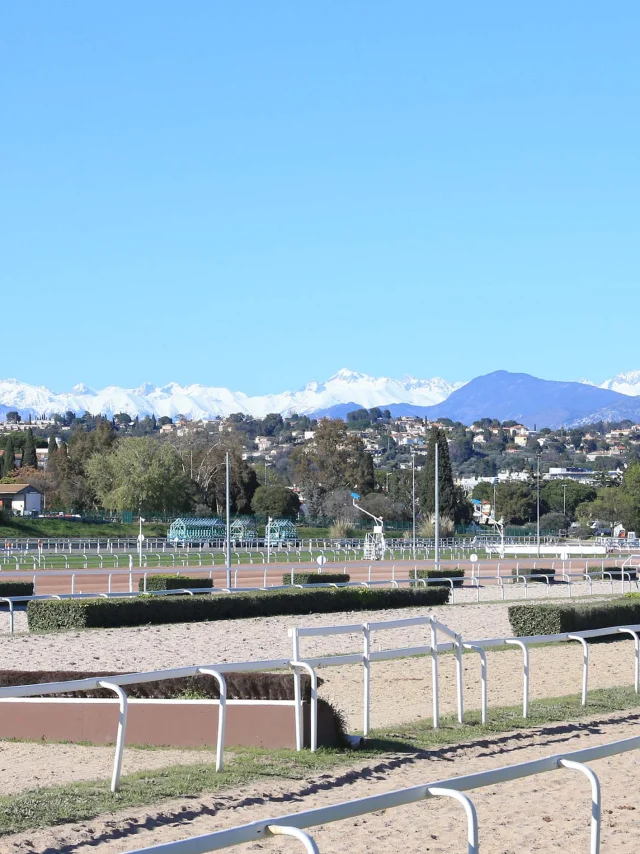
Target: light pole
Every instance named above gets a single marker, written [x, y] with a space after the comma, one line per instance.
[413, 499]
[538, 507]
[268, 532]
[228, 531]
[495, 515]
[437, 509]
[564, 500]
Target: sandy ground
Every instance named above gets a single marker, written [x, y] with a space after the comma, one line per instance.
[182, 644]
[32, 765]
[401, 692]
[546, 813]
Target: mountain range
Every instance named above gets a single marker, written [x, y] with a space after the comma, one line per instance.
[501, 394]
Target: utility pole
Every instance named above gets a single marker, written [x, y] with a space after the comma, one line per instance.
[538, 507]
[413, 499]
[437, 509]
[564, 500]
[228, 531]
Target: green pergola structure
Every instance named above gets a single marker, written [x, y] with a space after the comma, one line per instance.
[243, 530]
[196, 530]
[281, 532]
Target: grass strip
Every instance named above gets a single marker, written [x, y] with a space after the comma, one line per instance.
[85, 800]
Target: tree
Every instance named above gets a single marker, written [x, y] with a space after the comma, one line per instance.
[336, 459]
[8, 458]
[517, 503]
[554, 493]
[13, 417]
[140, 473]
[279, 502]
[52, 447]
[29, 456]
[452, 500]
[612, 507]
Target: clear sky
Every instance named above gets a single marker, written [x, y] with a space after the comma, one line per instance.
[256, 194]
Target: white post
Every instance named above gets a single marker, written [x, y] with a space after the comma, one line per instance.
[297, 689]
[434, 674]
[269, 540]
[459, 677]
[122, 731]
[366, 663]
[437, 509]
[228, 537]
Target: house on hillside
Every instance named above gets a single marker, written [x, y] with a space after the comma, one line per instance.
[20, 498]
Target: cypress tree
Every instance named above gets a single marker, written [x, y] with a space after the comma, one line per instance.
[451, 500]
[8, 458]
[52, 448]
[29, 456]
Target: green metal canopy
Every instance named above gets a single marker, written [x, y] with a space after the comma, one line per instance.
[281, 532]
[243, 529]
[196, 530]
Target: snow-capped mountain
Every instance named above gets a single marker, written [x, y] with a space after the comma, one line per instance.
[627, 383]
[198, 401]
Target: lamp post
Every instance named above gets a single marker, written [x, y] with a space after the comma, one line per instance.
[268, 532]
[413, 500]
[564, 500]
[437, 509]
[538, 506]
[228, 531]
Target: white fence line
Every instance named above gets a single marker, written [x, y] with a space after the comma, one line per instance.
[295, 824]
[432, 649]
[297, 663]
[116, 683]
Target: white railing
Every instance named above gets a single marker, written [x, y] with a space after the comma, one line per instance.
[297, 664]
[295, 824]
[118, 682]
[456, 644]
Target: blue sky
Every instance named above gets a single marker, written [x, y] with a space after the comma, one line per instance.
[257, 194]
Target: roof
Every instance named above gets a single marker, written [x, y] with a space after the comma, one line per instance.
[15, 488]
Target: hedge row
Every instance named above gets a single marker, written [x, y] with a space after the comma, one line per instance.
[556, 618]
[173, 582]
[16, 588]
[59, 614]
[456, 575]
[315, 578]
[240, 686]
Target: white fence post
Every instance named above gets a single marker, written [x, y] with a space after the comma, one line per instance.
[366, 665]
[122, 732]
[434, 673]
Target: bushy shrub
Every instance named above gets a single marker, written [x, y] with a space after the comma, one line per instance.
[16, 588]
[315, 578]
[557, 618]
[240, 686]
[536, 574]
[59, 614]
[456, 575]
[174, 582]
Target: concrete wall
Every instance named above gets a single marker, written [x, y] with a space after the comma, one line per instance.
[167, 723]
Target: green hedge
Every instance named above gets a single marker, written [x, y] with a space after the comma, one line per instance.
[240, 686]
[173, 582]
[538, 574]
[315, 578]
[556, 618]
[16, 588]
[56, 614]
[456, 575]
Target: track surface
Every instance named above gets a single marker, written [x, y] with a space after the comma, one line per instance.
[97, 581]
